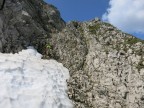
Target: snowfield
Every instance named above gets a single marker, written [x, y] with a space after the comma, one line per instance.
[27, 81]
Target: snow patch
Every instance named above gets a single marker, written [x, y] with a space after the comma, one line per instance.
[27, 81]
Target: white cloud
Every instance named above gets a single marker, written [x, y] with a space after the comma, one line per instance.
[127, 15]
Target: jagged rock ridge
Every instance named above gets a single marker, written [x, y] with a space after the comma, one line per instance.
[105, 64]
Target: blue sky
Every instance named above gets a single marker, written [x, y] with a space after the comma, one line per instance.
[113, 11]
[80, 10]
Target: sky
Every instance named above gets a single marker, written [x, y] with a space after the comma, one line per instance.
[126, 15]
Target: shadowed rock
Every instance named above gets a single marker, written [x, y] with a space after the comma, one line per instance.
[27, 22]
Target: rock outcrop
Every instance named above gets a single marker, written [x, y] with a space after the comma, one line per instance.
[2, 2]
[106, 65]
[27, 22]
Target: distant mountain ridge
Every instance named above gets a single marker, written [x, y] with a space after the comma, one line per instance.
[106, 65]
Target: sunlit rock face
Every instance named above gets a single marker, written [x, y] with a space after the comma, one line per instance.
[27, 81]
[106, 65]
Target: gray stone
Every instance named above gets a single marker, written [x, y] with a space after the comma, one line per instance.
[106, 66]
[26, 23]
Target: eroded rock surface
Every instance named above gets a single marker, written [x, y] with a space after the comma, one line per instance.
[106, 65]
[26, 23]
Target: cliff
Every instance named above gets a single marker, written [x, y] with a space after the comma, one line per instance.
[27, 22]
[106, 65]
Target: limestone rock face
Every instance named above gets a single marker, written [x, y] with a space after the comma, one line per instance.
[26, 23]
[106, 66]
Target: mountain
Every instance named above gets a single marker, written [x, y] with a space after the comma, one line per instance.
[106, 65]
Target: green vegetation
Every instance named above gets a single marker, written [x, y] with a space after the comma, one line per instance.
[140, 65]
[80, 29]
[78, 26]
[93, 29]
[132, 40]
[117, 47]
[75, 23]
[48, 46]
[140, 52]
[106, 50]
[107, 24]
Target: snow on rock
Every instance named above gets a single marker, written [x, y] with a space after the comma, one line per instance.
[27, 81]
